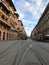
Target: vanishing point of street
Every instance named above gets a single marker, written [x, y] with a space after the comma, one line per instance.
[24, 52]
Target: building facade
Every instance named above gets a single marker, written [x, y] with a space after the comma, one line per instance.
[8, 21]
[41, 30]
[22, 34]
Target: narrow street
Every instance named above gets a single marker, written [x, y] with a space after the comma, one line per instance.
[24, 52]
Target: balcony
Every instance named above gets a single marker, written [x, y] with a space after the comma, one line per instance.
[17, 15]
[4, 18]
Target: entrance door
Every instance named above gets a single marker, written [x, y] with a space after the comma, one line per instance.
[3, 35]
[0, 35]
[7, 36]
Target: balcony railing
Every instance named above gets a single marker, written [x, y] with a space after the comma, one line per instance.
[4, 18]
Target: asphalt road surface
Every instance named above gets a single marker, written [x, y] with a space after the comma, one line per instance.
[24, 52]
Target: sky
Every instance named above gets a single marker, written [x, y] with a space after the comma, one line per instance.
[30, 12]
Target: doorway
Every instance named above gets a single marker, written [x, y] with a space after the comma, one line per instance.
[3, 35]
[0, 35]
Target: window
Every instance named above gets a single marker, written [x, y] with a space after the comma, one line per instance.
[2, 16]
[17, 28]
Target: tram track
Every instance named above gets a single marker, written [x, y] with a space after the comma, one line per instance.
[19, 54]
[44, 48]
[7, 48]
[39, 57]
[23, 56]
[7, 51]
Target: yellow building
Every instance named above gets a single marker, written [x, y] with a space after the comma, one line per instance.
[41, 30]
[8, 21]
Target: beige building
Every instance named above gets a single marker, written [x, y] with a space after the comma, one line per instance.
[41, 30]
[8, 21]
[22, 34]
